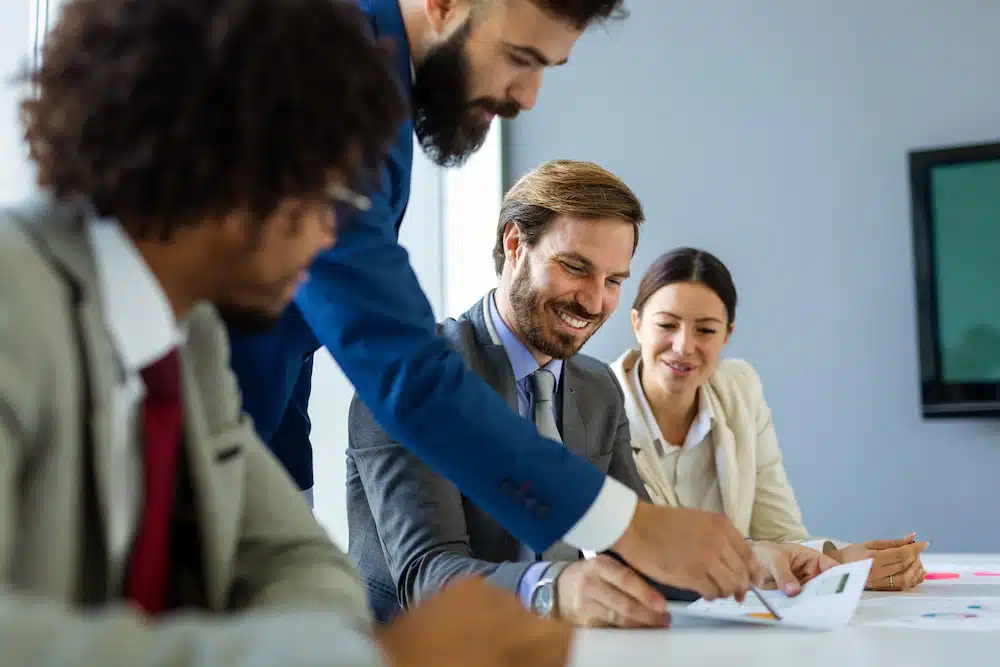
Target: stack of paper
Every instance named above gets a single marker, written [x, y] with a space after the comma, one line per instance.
[825, 603]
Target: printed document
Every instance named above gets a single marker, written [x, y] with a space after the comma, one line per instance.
[827, 602]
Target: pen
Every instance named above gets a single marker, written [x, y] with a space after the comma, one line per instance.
[767, 605]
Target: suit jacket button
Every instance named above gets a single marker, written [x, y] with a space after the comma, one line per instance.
[507, 487]
[530, 503]
[542, 512]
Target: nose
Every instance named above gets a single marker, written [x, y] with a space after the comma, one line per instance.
[683, 342]
[525, 89]
[591, 296]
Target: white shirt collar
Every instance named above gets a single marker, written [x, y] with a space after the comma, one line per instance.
[699, 430]
[136, 310]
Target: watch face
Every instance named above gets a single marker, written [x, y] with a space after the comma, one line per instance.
[541, 601]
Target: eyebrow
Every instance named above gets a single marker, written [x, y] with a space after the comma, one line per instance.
[534, 54]
[678, 317]
[577, 257]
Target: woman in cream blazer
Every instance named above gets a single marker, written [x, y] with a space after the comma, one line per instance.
[701, 430]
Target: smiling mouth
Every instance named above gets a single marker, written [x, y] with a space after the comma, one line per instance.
[572, 321]
[680, 368]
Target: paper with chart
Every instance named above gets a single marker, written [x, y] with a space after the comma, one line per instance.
[825, 603]
[926, 613]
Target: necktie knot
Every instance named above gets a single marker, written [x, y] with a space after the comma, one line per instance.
[163, 377]
[543, 385]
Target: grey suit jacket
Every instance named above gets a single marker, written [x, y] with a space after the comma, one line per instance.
[247, 541]
[411, 530]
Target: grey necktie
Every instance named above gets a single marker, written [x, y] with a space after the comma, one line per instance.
[543, 384]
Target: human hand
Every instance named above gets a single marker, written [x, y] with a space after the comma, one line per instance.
[601, 591]
[896, 564]
[473, 623]
[692, 549]
[788, 565]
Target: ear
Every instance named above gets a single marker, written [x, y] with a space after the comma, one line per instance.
[512, 246]
[442, 14]
[732, 327]
[636, 323]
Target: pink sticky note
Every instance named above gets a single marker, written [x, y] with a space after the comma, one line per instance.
[931, 576]
[986, 574]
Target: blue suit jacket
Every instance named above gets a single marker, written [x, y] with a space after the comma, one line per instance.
[364, 304]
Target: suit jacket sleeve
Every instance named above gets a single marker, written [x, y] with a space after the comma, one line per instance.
[623, 466]
[776, 516]
[366, 307]
[419, 516]
[36, 630]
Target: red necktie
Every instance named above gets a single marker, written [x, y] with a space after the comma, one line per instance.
[162, 419]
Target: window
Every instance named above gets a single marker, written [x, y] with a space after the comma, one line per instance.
[472, 197]
[22, 24]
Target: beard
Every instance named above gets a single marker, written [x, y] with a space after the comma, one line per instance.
[530, 318]
[247, 319]
[448, 126]
[260, 312]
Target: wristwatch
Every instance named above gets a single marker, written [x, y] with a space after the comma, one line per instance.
[543, 599]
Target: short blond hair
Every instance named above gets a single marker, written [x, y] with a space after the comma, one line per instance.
[564, 187]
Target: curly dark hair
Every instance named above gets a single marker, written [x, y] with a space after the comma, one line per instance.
[165, 112]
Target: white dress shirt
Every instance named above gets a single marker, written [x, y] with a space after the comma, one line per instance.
[143, 328]
[689, 466]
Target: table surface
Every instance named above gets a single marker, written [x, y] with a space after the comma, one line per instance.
[707, 644]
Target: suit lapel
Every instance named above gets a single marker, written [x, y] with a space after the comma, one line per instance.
[101, 362]
[489, 360]
[727, 468]
[645, 450]
[494, 368]
[574, 431]
[217, 491]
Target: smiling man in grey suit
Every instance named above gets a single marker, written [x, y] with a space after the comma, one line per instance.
[565, 240]
[190, 151]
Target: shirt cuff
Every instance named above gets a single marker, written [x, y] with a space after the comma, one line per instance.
[606, 520]
[528, 580]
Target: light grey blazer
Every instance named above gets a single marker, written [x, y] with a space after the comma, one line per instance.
[247, 541]
[411, 530]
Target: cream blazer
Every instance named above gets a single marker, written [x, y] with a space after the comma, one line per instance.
[755, 491]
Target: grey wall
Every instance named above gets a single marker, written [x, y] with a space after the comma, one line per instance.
[774, 134]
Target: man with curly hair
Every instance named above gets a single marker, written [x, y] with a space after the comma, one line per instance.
[463, 63]
[195, 156]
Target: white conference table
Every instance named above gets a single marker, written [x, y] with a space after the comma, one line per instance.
[694, 643]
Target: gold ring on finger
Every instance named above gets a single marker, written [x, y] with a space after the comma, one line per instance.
[892, 584]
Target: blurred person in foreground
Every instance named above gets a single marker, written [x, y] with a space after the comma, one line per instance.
[194, 157]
